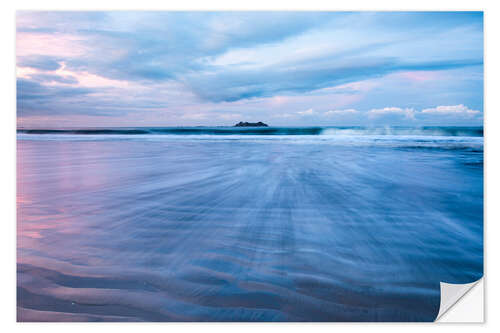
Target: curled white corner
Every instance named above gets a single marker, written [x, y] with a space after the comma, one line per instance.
[451, 293]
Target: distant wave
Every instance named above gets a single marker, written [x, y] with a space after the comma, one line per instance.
[425, 131]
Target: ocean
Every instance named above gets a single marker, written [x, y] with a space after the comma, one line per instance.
[246, 224]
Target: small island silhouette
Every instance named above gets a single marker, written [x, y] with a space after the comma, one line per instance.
[247, 124]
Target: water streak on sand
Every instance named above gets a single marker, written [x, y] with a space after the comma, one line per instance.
[246, 227]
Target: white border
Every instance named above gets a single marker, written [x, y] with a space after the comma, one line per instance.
[8, 122]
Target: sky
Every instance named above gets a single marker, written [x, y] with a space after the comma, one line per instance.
[93, 69]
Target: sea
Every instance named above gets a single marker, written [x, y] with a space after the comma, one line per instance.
[246, 224]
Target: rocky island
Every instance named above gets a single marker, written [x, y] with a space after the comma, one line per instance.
[247, 124]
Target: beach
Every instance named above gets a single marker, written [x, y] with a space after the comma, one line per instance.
[335, 224]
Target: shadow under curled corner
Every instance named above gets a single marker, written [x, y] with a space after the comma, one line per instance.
[455, 295]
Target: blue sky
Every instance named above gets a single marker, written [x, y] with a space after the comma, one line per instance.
[217, 68]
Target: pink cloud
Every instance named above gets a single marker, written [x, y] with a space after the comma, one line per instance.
[61, 45]
[419, 76]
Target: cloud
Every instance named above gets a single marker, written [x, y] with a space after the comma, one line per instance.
[419, 76]
[407, 112]
[39, 62]
[207, 50]
[306, 75]
[42, 44]
[254, 64]
[308, 112]
[451, 110]
[340, 112]
[34, 98]
[50, 79]
[439, 115]
[28, 90]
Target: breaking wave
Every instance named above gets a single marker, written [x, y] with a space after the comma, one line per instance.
[334, 131]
